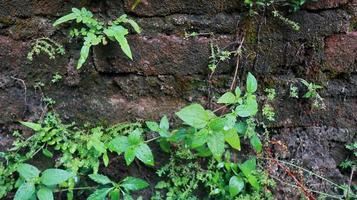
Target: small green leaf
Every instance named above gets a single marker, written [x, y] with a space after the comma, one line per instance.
[47, 153]
[194, 115]
[216, 145]
[119, 144]
[232, 138]
[227, 98]
[256, 143]
[200, 138]
[44, 193]
[27, 171]
[248, 167]
[238, 92]
[162, 185]
[114, 194]
[101, 179]
[164, 123]
[34, 126]
[153, 126]
[129, 155]
[236, 185]
[252, 84]
[143, 153]
[100, 194]
[65, 18]
[55, 176]
[25, 191]
[134, 137]
[133, 184]
[105, 159]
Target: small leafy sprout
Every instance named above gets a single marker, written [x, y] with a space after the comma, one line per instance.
[217, 55]
[349, 163]
[38, 85]
[96, 32]
[120, 190]
[295, 26]
[192, 34]
[56, 77]
[294, 92]
[34, 183]
[49, 101]
[132, 146]
[312, 93]
[271, 93]
[47, 46]
[268, 112]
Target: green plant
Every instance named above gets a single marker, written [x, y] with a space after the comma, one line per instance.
[268, 112]
[295, 26]
[56, 77]
[115, 191]
[47, 46]
[271, 93]
[32, 182]
[217, 56]
[132, 146]
[312, 93]
[349, 163]
[95, 32]
[294, 92]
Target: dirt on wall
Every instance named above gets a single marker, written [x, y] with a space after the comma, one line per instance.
[169, 71]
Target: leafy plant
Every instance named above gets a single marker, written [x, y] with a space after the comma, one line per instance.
[268, 112]
[34, 183]
[294, 92]
[132, 146]
[313, 94]
[47, 46]
[349, 163]
[95, 32]
[56, 77]
[115, 191]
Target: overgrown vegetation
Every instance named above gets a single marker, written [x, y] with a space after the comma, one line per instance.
[95, 32]
[211, 155]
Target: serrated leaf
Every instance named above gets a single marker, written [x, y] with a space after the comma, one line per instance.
[101, 179]
[232, 138]
[25, 192]
[52, 177]
[252, 83]
[119, 144]
[44, 193]
[143, 153]
[34, 126]
[236, 185]
[133, 184]
[99, 194]
[227, 98]
[215, 144]
[194, 115]
[28, 171]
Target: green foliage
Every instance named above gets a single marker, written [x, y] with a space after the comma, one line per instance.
[56, 77]
[31, 181]
[312, 93]
[132, 146]
[268, 112]
[294, 92]
[350, 162]
[115, 190]
[217, 55]
[271, 93]
[95, 32]
[47, 46]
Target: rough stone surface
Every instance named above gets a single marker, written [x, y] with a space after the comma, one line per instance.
[169, 71]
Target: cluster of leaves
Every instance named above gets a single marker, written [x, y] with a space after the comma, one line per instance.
[350, 162]
[95, 32]
[77, 150]
[311, 93]
[294, 5]
[47, 46]
[223, 180]
[217, 56]
[116, 191]
[31, 184]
